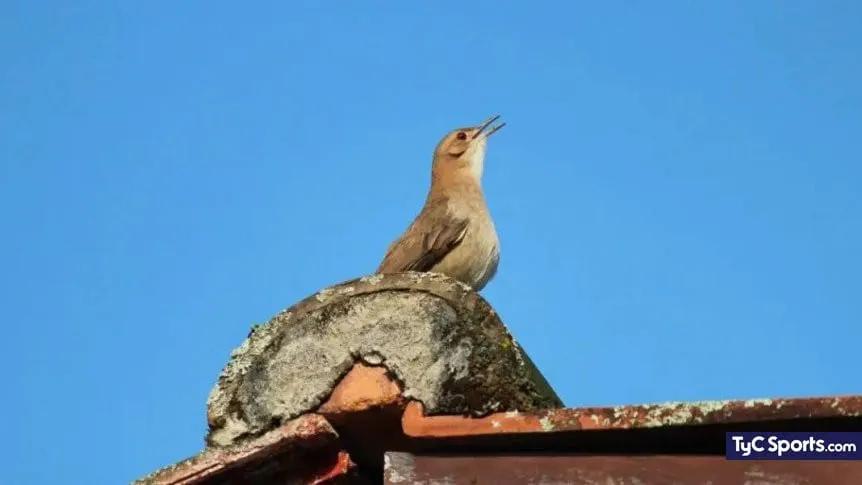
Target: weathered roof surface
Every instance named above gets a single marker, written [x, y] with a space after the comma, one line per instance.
[437, 337]
[304, 450]
[672, 428]
[676, 442]
[632, 417]
[321, 392]
[407, 468]
[690, 436]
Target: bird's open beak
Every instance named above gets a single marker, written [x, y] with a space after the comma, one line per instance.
[487, 123]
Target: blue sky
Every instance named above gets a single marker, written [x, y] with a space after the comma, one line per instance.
[677, 194]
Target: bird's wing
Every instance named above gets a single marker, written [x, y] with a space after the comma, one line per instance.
[433, 235]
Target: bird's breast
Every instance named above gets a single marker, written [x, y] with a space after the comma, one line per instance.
[475, 260]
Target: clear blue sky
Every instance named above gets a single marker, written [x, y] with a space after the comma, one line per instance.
[677, 194]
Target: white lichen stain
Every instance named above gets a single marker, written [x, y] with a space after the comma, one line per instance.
[237, 366]
[284, 313]
[675, 414]
[670, 413]
[512, 414]
[243, 348]
[546, 424]
[707, 407]
[373, 357]
[836, 404]
[756, 476]
[459, 359]
[391, 473]
[463, 286]
[494, 405]
[495, 423]
[372, 279]
[757, 402]
[324, 294]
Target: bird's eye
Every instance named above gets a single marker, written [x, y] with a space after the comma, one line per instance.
[462, 135]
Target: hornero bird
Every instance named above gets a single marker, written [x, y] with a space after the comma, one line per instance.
[453, 234]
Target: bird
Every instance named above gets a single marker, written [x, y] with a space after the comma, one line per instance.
[453, 233]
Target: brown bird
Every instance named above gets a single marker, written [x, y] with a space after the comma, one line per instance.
[454, 233]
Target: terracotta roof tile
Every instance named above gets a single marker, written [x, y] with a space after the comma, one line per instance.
[302, 447]
[630, 417]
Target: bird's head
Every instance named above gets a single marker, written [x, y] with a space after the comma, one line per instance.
[463, 150]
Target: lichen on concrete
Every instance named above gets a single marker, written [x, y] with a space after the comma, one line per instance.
[436, 336]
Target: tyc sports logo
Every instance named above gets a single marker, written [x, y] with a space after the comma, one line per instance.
[793, 446]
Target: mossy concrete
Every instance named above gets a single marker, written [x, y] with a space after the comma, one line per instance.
[438, 338]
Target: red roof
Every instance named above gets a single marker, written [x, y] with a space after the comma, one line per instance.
[366, 416]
